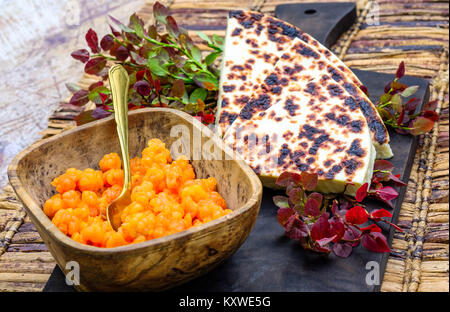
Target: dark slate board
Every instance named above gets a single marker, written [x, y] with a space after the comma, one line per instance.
[268, 261]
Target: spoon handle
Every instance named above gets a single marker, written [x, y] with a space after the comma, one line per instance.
[119, 82]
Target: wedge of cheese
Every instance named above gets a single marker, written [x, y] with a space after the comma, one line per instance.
[255, 42]
[304, 122]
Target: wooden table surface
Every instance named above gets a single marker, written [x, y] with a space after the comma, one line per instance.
[36, 39]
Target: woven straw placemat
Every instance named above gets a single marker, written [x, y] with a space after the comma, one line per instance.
[386, 32]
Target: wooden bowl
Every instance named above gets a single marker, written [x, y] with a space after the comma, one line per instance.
[155, 264]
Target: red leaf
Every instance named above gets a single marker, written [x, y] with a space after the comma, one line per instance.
[92, 41]
[100, 113]
[364, 89]
[356, 215]
[115, 32]
[209, 118]
[432, 115]
[81, 55]
[401, 70]
[401, 118]
[337, 228]
[352, 234]
[84, 118]
[421, 125]
[371, 228]
[284, 214]
[287, 178]
[396, 179]
[387, 193]
[375, 242]
[317, 197]
[142, 87]
[321, 228]
[382, 164]
[432, 105]
[309, 180]
[380, 213]
[157, 85]
[107, 42]
[103, 97]
[298, 230]
[342, 250]
[160, 12]
[326, 240]
[361, 192]
[95, 85]
[296, 195]
[172, 27]
[121, 53]
[79, 98]
[312, 207]
[412, 104]
[95, 65]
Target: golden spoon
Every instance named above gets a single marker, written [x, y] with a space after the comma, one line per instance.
[119, 81]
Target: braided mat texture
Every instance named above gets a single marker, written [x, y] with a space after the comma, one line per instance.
[386, 32]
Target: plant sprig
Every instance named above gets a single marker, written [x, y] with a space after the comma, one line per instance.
[402, 115]
[165, 67]
[325, 224]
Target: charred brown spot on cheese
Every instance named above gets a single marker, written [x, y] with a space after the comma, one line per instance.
[227, 118]
[321, 65]
[318, 142]
[224, 102]
[228, 88]
[292, 70]
[288, 135]
[351, 103]
[333, 171]
[335, 74]
[350, 88]
[284, 152]
[306, 51]
[236, 32]
[285, 56]
[254, 105]
[355, 149]
[374, 123]
[272, 79]
[351, 165]
[334, 90]
[311, 88]
[252, 42]
[291, 107]
[328, 163]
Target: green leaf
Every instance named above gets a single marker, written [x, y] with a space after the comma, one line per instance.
[385, 98]
[196, 54]
[123, 27]
[206, 81]
[94, 94]
[204, 37]
[198, 93]
[218, 41]
[410, 91]
[211, 58]
[156, 68]
[136, 25]
[396, 101]
[72, 87]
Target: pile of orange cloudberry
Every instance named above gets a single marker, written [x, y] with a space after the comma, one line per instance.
[166, 198]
